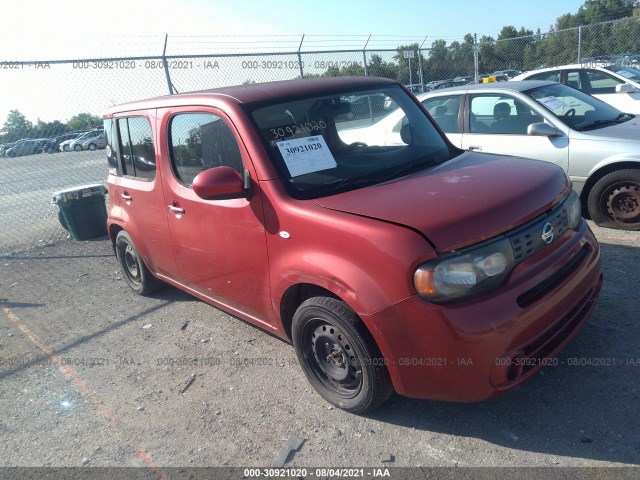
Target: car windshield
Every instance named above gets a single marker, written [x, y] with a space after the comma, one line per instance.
[577, 109]
[626, 72]
[327, 144]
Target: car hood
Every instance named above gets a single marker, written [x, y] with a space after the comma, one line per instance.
[463, 201]
[623, 132]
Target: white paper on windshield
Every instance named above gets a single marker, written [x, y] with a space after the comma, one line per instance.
[625, 74]
[306, 155]
[552, 103]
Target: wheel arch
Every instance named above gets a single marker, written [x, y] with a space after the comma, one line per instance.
[293, 298]
[600, 172]
[114, 229]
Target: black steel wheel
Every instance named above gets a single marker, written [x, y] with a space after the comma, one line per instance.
[614, 200]
[138, 276]
[339, 356]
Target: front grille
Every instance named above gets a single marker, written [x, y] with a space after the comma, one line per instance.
[537, 292]
[527, 241]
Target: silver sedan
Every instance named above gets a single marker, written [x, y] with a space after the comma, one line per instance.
[597, 145]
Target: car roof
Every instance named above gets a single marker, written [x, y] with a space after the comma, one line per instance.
[577, 66]
[257, 92]
[518, 86]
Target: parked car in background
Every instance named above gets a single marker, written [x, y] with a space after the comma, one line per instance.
[367, 105]
[94, 143]
[52, 145]
[77, 143]
[383, 265]
[596, 144]
[6, 146]
[506, 73]
[617, 85]
[438, 84]
[464, 80]
[24, 147]
[64, 146]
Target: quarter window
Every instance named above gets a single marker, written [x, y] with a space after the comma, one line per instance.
[137, 152]
[200, 141]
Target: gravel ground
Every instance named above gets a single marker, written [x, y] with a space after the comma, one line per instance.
[93, 375]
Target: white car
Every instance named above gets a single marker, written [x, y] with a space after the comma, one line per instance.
[78, 143]
[597, 145]
[616, 85]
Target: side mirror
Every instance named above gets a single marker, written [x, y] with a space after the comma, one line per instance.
[405, 134]
[542, 129]
[221, 183]
[624, 88]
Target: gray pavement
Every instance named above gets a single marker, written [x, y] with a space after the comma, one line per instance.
[92, 375]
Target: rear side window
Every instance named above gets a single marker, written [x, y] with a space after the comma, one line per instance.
[444, 111]
[200, 141]
[110, 141]
[601, 82]
[137, 152]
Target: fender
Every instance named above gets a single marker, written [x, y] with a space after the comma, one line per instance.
[619, 158]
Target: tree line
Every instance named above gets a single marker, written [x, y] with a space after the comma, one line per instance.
[609, 27]
[17, 126]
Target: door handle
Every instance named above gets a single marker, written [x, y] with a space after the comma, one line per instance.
[176, 210]
[126, 197]
[475, 148]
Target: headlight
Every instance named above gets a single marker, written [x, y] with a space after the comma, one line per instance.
[574, 210]
[465, 274]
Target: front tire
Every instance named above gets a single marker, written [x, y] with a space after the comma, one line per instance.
[78, 148]
[135, 271]
[614, 200]
[338, 355]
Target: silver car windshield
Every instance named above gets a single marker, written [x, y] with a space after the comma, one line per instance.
[577, 109]
[327, 144]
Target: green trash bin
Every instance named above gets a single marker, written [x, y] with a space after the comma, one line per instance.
[82, 211]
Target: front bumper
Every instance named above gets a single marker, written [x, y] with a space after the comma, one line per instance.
[479, 348]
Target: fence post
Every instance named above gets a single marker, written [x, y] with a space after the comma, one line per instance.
[476, 48]
[364, 56]
[300, 57]
[166, 65]
[580, 44]
[420, 64]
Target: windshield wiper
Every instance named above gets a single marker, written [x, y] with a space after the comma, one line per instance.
[603, 122]
[382, 176]
[408, 169]
[609, 121]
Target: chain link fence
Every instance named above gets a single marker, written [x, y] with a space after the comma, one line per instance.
[71, 94]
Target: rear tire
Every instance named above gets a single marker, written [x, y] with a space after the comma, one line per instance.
[138, 276]
[338, 355]
[78, 148]
[614, 200]
[92, 146]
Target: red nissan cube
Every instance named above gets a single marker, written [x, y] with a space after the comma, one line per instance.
[392, 262]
